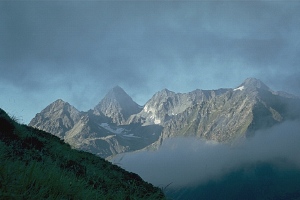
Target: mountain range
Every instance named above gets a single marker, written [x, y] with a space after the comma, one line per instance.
[118, 124]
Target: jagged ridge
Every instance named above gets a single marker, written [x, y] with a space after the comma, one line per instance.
[223, 115]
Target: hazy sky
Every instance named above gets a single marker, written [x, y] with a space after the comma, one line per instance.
[78, 50]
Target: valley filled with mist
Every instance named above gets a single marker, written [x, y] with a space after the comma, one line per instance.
[262, 166]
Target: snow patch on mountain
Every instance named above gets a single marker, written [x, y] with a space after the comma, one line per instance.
[157, 121]
[131, 135]
[239, 88]
[148, 109]
[100, 138]
[116, 130]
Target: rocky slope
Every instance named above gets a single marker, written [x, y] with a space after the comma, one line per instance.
[166, 104]
[99, 130]
[234, 114]
[117, 124]
[106, 139]
[57, 118]
[117, 105]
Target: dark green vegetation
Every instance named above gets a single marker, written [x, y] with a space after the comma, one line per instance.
[37, 165]
[276, 180]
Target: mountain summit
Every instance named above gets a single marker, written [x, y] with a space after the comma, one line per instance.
[253, 83]
[117, 105]
[57, 118]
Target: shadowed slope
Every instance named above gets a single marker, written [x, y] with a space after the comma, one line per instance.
[37, 165]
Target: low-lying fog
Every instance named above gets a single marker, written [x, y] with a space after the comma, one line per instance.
[183, 162]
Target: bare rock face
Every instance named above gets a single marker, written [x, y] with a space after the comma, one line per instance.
[165, 105]
[87, 134]
[117, 124]
[57, 118]
[237, 113]
[117, 105]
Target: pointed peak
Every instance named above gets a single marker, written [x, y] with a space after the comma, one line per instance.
[166, 91]
[59, 104]
[254, 83]
[117, 105]
[116, 93]
[117, 89]
[162, 94]
[252, 80]
[60, 101]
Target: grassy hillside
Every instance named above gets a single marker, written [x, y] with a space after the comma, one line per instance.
[37, 165]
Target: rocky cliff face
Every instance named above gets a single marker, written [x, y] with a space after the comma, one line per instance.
[98, 131]
[234, 114]
[106, 139]
[57, 118]
[117, 105]
[117, 124]
[165, 105]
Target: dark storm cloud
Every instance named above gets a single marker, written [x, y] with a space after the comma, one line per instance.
[89, 47]
[186, 161]
[100, 38]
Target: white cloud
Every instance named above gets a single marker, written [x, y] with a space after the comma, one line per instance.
[187, 161]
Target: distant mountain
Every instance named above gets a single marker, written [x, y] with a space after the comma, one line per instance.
[99, 130]
[104, 139]
[117, 124]
[166, 104]
[117, 105]
[253, 84]
[233, 114]
[57, 118]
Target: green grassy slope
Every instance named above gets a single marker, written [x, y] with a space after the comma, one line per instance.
[37, 165]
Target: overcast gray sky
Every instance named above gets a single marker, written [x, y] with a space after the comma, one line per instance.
[78, 50]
